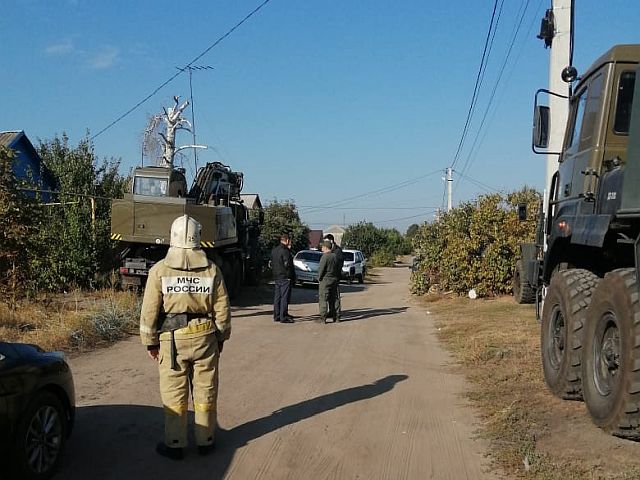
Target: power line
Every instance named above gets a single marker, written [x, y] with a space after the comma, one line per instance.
[405, 218]
[468, 160]
[372, 208]
[180, 72]
[476, 87]
[379, 191]
[478, 183]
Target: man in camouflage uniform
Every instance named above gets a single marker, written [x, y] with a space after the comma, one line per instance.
[329, 272]
[337, 250]
[184, 321]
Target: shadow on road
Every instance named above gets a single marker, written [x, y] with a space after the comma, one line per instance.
[363, 313]
[263, 295]
[117, 441]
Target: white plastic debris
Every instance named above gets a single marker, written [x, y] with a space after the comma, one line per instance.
[473, 294]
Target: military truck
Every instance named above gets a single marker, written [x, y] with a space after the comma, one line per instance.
[583, 270]
[141, 221]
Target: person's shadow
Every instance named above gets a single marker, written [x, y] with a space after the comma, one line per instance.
[117, 441]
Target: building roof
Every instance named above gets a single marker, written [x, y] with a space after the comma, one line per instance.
[334, 229]
[251, 200]
[10, 138]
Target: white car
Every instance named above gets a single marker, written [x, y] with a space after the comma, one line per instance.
[355, 265]
[306, 263]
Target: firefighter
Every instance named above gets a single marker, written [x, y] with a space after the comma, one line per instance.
[329, 276]
[184, 323]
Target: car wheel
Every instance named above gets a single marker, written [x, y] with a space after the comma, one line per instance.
[40, 437]
[361, 277]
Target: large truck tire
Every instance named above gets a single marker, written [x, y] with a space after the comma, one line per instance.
[523, 291]
[611, 359]
[563, 320]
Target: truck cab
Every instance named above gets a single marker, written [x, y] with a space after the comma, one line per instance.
[159, 182]
[586, 190]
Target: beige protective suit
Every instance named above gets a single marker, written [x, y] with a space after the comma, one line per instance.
[187, 282]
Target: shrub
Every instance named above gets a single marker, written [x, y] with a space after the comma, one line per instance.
[474, 245]
[381, 258]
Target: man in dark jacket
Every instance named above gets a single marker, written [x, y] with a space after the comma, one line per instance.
[335, 248]
[283, 276]
[329, 276]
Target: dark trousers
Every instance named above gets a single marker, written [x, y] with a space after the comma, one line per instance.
[281, 296]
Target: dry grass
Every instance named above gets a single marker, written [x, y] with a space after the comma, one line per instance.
[497, 344]
[72, 322]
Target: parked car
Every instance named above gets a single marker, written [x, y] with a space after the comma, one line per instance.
[355, 266]
[306, 263]
[37, 410]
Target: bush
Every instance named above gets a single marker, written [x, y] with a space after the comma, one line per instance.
[382, 258]
[474, 245]
[369, 239]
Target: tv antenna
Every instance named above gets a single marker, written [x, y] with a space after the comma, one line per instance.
[190, 69]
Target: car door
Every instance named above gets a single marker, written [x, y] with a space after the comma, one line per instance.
[12, 387]
[358, 259]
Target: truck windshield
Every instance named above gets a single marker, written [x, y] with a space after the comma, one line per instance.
[151, 186]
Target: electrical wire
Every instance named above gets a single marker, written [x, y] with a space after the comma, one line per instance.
[468, 160]
[374, 208]
[476, 87]
[379, 191]
[478, 183]
[180, 72]
[406, 218]
[534, 17]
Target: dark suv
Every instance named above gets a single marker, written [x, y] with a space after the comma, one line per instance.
[37, 409]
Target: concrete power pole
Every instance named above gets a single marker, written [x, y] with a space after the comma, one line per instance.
[449, 189]
[560, 57]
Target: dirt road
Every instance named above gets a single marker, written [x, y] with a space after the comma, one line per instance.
[370, 398]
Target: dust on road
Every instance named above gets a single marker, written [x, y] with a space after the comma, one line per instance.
[370, 398]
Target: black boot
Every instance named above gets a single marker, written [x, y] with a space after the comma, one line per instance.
[172, 453]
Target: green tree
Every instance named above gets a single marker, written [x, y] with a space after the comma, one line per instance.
[387, 243]
[74, 240]
[18, 225]
[283, 217]
[412, 230]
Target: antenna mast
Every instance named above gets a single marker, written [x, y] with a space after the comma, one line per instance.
[190, 69]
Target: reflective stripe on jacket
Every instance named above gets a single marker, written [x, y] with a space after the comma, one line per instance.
[198, 291]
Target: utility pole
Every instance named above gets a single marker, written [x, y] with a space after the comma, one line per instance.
[558, 37]
[449, 189]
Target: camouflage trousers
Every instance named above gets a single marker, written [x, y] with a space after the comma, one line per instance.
[329, 299]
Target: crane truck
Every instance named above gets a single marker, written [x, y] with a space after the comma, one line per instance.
[141, 221]
[583, 270]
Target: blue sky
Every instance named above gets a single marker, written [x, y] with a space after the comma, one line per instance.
[316, 101]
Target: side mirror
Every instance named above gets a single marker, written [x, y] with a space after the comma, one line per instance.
[541, 126]
[522, 212]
